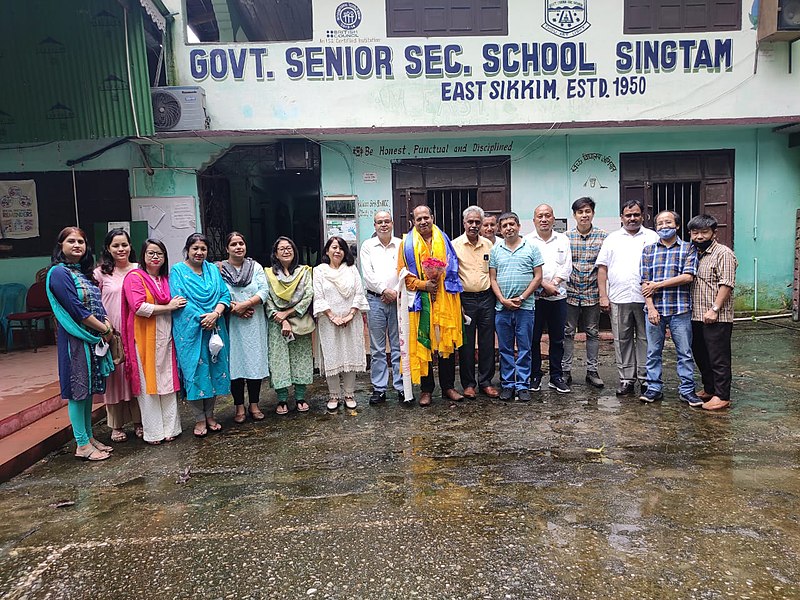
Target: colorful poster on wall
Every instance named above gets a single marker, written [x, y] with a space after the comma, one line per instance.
[19, 217]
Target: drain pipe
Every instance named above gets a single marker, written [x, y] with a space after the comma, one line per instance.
[755, 224]
[755, 286]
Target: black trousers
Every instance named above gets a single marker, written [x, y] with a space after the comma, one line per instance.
[479, 307]
[447, 375]
[553, 314]
[711, 346]
[253, 390]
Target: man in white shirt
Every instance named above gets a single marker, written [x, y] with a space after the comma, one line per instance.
[619, 280]
[551, 301]
[378, 259]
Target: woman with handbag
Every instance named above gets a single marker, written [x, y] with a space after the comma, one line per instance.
[116, 261]
[290, 324]
[247, 284]
[199, 332]
[150, 364]
[82, 324]
[339, 301]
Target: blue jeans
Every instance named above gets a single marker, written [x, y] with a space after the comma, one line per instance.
[382, 321]
[511, 326]
[680, 327]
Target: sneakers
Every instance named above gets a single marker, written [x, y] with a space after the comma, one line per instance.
[506, 394]
[568, 377]
[558, 384]
[691, 399]
[536, 383]
[651, 395]
[625, 388]
[523, 395]
[593, 379]
[377, 397]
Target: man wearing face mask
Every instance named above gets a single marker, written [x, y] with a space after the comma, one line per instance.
[712, 312]
[667, 269]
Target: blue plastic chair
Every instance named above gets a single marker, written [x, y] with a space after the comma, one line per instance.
[12, 300]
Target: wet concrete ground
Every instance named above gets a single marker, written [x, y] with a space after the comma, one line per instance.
[473, 500]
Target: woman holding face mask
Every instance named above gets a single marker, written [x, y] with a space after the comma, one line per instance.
[82, 323]
[147, 307]
[204, 369]
[117, 260]
[248, 287]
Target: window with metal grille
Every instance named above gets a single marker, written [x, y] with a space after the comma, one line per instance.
[412, 18]
[665, 16]
[447, 207]
[680, 197]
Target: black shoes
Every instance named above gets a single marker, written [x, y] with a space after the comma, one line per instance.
[523, 396]
[691, 399]
[652, 395]
[625, 389]
[536, 383]
[593, 379]
[506, 394]
[558, 384]
[568, 377]
[377, 397]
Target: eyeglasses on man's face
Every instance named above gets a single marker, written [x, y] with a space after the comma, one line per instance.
[154, 254]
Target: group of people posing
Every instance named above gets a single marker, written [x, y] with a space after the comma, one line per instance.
[213, 329]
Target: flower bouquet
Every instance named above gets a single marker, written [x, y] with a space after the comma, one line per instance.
[433, 269]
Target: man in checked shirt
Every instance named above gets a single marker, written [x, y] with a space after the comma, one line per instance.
[667, 269]
[583, 298]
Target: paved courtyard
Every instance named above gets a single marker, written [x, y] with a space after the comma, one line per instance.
[576, 496]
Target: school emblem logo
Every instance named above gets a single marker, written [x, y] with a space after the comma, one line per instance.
[565, 18]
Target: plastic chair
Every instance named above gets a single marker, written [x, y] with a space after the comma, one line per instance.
[12, 300]
[37, 309]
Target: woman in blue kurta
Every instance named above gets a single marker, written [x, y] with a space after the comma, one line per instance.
[82, 322]
[248, 287]
[204, 376]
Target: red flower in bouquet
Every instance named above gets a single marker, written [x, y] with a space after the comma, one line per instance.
[433, 268]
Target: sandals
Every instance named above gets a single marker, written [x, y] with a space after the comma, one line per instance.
[282, 408]
[200, 430]
[333, 404]
[100, 445]
[94, 455]
[302, 406]
[139, 431]
[240, 417]
[213, 425]
[256, 413]
[350, 402]
[117, 435]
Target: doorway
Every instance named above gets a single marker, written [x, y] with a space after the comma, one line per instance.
[689, 183]
[264, 191]
[448, 186]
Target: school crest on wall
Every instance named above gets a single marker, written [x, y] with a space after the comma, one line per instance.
[565, 18]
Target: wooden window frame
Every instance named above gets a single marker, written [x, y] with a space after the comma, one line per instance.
[652, 5]
[449, 31]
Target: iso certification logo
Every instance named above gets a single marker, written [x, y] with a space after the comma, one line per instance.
[348, 15]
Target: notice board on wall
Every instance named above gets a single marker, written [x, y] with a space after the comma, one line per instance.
[169, 219]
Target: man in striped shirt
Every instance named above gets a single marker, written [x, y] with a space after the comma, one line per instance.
[583, 295]
[667, 269]
[712, 312]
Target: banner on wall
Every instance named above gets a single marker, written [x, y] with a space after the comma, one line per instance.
[19, 216]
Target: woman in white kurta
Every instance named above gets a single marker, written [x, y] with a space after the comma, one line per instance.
[116, 263]
[247, 325]
[147, 306]
[338, 303]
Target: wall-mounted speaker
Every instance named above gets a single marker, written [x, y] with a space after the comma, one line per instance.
[293, 154]
[778, 20]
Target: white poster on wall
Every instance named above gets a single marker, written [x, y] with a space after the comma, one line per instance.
[170, 219]
[19, 216]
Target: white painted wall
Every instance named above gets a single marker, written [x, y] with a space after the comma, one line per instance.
[276, 101]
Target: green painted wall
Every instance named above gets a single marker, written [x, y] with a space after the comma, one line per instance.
[766, 170]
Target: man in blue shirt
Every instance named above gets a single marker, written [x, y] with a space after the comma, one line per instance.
[515, 272]
[667, 269]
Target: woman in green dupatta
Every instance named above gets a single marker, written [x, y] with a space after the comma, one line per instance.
[290, 324]
[82, 322]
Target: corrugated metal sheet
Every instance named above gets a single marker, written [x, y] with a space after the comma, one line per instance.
[65, 72]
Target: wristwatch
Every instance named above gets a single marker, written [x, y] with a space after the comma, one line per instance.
[715, 308]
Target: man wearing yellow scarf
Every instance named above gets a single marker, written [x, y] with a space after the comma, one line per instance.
[435, 308]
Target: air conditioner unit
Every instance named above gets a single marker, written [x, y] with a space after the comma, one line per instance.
[779, 20]
[179, 108]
